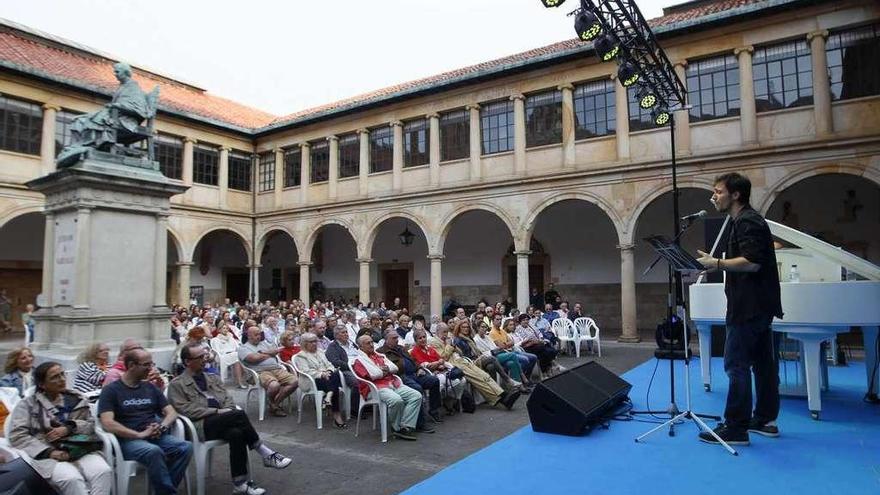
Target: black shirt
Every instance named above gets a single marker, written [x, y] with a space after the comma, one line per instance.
[752, 294]
[133, 407]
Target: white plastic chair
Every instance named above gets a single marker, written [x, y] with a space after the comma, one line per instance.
[202, 450]
[564, 330]
[345, 396]
[380, 410]
[227, 355]
[586, 330]
[124, 469]
[9, 397]
[258, 389]
[307, 387]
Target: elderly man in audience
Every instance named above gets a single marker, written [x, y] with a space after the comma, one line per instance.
[374, 330]
[262, 357]
[118, 369]
[319, 329]
[137, 412]
[339, 352]
[202, 398]
[533, 342]
[404, 403]
[313, 362]
[414, 376]
[271, 332]
[19, 363]
[93, 366]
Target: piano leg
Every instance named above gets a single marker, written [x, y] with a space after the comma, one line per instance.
[870, 336]
[705, 331]
[812, 342]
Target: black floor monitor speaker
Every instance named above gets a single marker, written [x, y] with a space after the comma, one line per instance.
[574, 401]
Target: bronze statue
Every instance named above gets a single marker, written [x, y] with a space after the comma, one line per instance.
[118, 125]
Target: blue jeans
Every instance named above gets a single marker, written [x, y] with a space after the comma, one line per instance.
[749, 347]
[527, 362]
[165, 458]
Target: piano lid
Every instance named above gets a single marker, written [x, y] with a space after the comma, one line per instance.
[830, 252]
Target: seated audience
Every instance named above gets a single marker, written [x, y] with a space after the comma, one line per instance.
[262, 357]
[92, 368]
[118, 369]
[197, 336]
[508, 359]
[404, 403]
[225, 345]
[42, 427]
[413, 376]
[138, 414]
[289, 346]
[312, 361]
[339, 353]
[464, 342]
[533, 342]
[503, 337]
[19, 363]
[202, 398]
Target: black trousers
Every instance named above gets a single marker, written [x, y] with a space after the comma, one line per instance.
[421, 383]
[330, 385]
[234, 427]
[749, 346]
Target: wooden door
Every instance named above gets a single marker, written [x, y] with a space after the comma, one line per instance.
[237, 287]
[396, 284]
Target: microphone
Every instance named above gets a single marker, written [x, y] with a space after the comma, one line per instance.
[694, 216]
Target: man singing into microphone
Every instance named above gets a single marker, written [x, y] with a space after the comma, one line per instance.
[752, 289]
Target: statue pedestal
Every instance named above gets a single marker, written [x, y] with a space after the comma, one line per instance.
[105, 257]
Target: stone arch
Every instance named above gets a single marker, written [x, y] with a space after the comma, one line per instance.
[528, 227]
[306, 253]
[447, 222]
[19, 211]
[365, 246]
[245, 243]
[644, 201]
[176, 240]
[261, 242]
[800, 174]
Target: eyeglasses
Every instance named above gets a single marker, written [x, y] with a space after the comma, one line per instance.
[148, 364]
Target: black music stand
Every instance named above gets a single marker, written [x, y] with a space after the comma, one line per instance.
[680, 261]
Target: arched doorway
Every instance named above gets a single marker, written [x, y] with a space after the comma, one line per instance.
[334, 270]
[279, 273]
[21, 264]
[402, 270]
[220, 269]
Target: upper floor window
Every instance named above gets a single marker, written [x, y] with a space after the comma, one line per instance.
[63, 136]
[319, 161]
[381, 149]
[205, 164]
[292, 166]
[415, 142]
[496, 126]
[783, 76]
[853, 57]
[240, 170]
[544, 118]
[21, 126]
[267, 171]
[713, 88]
[455, 135]
[349, 155]
[595, 108]
[168, 151]
[639, 118]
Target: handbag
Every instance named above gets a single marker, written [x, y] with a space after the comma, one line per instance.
[454, 374]
[468, 404]
[79, 445]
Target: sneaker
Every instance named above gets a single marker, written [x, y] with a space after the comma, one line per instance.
[436, 416]
[509, 399]
[276, 460]
[768, 429]
[731, 437]
[248, 488]
[424, 429]
[405, 434]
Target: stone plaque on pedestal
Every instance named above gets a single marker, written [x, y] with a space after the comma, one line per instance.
[107, 220]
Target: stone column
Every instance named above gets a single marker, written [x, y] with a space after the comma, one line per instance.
[434, 148]
[254, 271]
[304, 283]
[821, 83]
[436, 283]
[522, 279]
[223, 175]
[364, 280]
[629, 328]
[279, 177]
[476, 149]
[748, 119]
[48, 259]
[47, 140]
[333, 172]
[364, 166]
[519, 134]
[188, 144]
[682, 117]
[81, 297]
[305, 172]
[397, 156]
[568, 134]
[622, 118]
[160, 263]
[183, 274]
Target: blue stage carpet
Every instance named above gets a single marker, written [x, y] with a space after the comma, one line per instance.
[838, 455]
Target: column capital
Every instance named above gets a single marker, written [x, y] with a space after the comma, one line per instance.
[472, 106]
[363, 131]
[680, 63]
[252, 267]
[395, 123]
[332, 138]
[191, 140]
[613, 76]
[304, 263]
[813, 34]
[625, 247]
[364, 260]
[744, 49]
[568, 86]
[184, 263]
[277, 149]
[436, 257]
[305, 145]
[518, 96]
[51, 106]
[222, 148]
[522, 254]
[433, 115]
[85, 210]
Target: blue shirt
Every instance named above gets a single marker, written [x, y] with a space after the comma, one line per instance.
[133, 407]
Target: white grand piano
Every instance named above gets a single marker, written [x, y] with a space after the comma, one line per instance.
[816, 308]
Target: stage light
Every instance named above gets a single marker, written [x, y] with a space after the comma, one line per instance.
[660, 116]
[552, 3]
[607, 47]
[628, 74]
[587, 25]
[646, 97]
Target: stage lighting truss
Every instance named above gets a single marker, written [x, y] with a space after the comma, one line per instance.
[646, 97]
[552, 3]
[587, 25]
[660, 116]
[607, 47]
